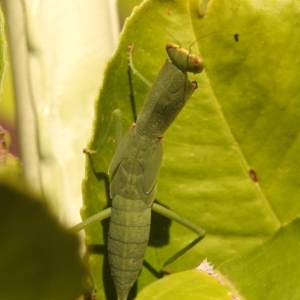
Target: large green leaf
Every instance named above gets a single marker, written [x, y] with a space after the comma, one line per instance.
[230, 159]
[192, 285]
[269, 271]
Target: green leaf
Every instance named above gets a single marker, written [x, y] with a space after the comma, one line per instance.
[256, 273]
[38, 258]
[192, 285]
[271, 270]
[231, 158]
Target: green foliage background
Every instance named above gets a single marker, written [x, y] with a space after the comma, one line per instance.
[243, 119]
[38, 258]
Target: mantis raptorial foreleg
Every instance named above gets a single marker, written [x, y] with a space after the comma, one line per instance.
[134, 70]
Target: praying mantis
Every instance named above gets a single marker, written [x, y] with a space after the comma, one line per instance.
[135, 166]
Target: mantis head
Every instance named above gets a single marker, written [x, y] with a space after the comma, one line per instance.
[183, 59]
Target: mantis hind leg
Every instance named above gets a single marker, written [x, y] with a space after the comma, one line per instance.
[186, 223]
[91, 220]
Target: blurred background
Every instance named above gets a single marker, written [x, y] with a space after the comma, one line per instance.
[57, 53]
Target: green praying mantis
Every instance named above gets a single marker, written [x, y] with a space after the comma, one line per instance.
[135, 166]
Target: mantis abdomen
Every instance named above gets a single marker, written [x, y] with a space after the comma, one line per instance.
[127, 241]
[133, 194]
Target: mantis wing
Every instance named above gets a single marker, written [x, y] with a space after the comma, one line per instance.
[148, 154]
